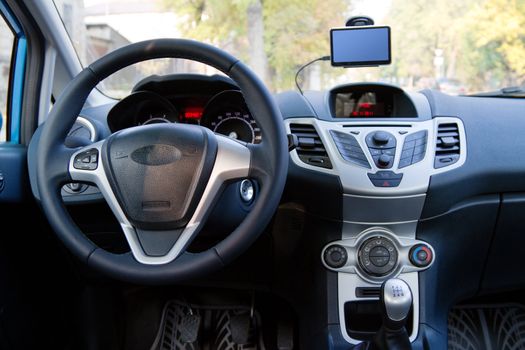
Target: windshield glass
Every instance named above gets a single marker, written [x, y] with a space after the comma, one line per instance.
[459, 47]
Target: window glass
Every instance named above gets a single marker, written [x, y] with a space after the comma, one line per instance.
[456, 46]
[6, 51]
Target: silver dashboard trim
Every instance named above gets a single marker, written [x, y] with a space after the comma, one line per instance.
[354, 178]
[402, 244]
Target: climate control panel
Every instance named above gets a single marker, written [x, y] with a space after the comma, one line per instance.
[377, 254]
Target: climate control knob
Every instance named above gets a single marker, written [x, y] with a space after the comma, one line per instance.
[378, 256]
[420, 255]
[335, 256]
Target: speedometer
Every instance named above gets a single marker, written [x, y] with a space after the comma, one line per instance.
[237, 125]
[226, 113]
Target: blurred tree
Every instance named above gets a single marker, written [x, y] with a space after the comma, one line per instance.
[275, 37]
[496, 31]
[419, 28]
[481, 42]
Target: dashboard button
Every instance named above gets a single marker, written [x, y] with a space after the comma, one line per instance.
[409, 145]
[379, 261]
[349, 148]
[385, 175]
[422, 141]
[417, 158]
[379, 252]
[376, 151]
[417, 135]
[386, 183]
[389, 151]
[87, 160]
[346, 142]
[404, 162]
[385, 179]
[420, 149]
[381, 137]
[384, 160]
[407, 153]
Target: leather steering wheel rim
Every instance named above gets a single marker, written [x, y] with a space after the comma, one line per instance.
[268, 164]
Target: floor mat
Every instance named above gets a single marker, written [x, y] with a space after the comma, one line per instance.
[491, 327]
[199, 327]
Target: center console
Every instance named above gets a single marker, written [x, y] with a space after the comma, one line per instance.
[384, 166]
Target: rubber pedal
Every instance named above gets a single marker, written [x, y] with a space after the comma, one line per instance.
[240, 328]
[189, 328]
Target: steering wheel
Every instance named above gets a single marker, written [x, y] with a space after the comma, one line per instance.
[162, 180]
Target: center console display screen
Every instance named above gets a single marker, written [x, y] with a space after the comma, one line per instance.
[363, 104]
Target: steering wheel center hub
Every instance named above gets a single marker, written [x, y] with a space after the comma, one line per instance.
[158, 172]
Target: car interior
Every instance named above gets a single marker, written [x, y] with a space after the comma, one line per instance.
[211, 210]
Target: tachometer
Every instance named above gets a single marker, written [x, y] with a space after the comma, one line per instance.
[227, 114]
[156, 118]
[140, 108]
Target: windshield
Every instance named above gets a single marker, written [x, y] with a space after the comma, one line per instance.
[459, 46]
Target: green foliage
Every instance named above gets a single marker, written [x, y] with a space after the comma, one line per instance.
[295, 31]
[497, 32]
[483, 42]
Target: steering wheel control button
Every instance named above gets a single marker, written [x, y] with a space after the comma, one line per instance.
[349, 148]
[377, 256]
[414, 149]
[247, 191]
[335, 256]
[75, 188]
[420, 255]
[87, 160]
[385, 179]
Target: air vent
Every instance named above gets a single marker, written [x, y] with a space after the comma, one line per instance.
[447, 145]
[310, 148]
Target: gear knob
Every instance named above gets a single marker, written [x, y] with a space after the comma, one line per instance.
[396, 301]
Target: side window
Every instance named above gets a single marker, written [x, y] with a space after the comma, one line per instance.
[6, 51]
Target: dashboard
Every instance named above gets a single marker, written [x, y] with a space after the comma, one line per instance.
[217, 104]
[406, 175]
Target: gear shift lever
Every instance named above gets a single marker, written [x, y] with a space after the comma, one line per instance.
[395, 302]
